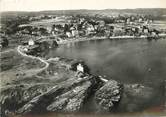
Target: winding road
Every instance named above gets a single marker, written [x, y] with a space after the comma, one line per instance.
[29, 72]
[33, 57]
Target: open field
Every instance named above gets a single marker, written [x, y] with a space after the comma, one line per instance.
[47, 22]
[159, 24]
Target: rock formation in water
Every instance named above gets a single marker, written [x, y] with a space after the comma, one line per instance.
[108, 95]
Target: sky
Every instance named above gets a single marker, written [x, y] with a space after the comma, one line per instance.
[40, 5]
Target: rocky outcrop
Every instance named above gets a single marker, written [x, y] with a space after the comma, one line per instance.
[66, 97]
[108, 95]
[14, 96]
[72, 94]
[124, 98]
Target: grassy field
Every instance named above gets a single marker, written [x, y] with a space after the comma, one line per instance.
[25, 70]
[159, 24]
[13, 66]
[47, 22]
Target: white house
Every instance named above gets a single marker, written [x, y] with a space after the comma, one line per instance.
[31, 42]
[80, 68]
[68, 34]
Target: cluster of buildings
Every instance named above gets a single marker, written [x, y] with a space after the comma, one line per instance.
[85, 26]
[79, 27]
[131, 25]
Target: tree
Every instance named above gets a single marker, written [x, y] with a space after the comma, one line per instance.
[4, 41]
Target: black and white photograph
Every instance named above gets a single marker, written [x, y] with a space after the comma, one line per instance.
[82, 58]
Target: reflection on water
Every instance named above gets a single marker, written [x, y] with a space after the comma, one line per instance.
[127, 61]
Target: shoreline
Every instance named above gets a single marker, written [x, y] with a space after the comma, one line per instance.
[46, 61]
[73, 40]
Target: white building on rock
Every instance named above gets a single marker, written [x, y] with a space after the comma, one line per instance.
[31, 42]
[80, 67]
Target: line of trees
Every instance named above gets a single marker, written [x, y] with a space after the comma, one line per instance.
[10, 24]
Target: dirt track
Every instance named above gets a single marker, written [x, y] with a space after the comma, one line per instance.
[33, 57]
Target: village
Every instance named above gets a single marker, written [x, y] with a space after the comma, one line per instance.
[70, 28]
[76, 27]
